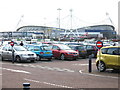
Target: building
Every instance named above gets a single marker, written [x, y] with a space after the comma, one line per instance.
[107, 31]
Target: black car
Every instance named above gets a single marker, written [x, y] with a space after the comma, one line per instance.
[91, 50]
[85, 50]
[81, 50]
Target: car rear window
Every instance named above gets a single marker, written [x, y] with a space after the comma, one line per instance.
[81, 48]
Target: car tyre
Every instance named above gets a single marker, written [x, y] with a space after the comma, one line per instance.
[93, 55]
[38, 58]
[101, 67]
[62, 57]
[18, 59]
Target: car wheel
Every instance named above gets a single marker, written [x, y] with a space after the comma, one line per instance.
[18, 59]
[38, 58]
[93, 55]
[62, 57]
[101, 66]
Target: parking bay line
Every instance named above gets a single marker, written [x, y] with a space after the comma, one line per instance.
[13, 70]
[80, 71]
[46, 67]
[52, 84]
[83, 64]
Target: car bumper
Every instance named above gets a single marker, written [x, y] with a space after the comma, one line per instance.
[71, 56]
[28, 58]
[46, 56]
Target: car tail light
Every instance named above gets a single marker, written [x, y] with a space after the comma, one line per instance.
[41, 53]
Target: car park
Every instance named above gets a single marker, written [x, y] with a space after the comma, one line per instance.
[20, 53]
[108, 57]
[42, 51]
[61, 51]
[80, 49]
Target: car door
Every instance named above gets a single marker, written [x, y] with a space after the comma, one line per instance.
[112, 56]
[89, 49]
[55, 51]
[9, 53]
[6, 53]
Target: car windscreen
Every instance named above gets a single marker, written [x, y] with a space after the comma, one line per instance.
[45, 48]
[19, 48]
[64, 47]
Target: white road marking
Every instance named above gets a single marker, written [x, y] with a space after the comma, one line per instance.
[45, 67]
[52, 84]
[83, 64]
[80, 71]
[13, 70]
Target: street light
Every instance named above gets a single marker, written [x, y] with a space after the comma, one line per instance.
[59, 21]
[59, 16]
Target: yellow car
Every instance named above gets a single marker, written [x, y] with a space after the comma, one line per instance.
[108, 57]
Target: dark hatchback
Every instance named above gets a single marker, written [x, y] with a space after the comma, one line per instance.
[85, 50]
[80, 49]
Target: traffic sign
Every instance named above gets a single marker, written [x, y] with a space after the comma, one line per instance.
[12, 43]
[99, 44]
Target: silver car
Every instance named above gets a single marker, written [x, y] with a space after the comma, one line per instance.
[20, 53]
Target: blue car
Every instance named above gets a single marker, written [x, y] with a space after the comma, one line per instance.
[42, 51]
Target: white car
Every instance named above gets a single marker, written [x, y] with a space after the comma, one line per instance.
[20, 53]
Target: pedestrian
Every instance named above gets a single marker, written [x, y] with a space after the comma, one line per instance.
[21, 43]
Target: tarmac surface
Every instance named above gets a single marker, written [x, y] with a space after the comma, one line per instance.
[57, 74]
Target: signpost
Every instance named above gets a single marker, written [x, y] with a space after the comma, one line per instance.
[12, 44]
[99, 45]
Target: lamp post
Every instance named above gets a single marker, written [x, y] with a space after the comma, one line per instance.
[59, 21]
[59, 16]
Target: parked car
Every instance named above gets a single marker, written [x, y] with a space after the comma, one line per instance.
[42, 51]
[73, 43]
[80, 49]
[63, 52]
[91, 50]
[108, 57]
[20, 53]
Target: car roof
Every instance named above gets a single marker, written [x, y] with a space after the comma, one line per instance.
[76, 45]
[111, 47]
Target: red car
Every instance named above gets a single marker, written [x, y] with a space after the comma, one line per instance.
[63, 52]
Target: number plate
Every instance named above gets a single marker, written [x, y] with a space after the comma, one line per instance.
[47, 53]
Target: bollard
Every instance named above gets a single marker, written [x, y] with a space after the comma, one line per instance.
[26, 86]
[90, 63]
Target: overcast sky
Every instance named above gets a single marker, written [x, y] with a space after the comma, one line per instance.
[16, 13]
